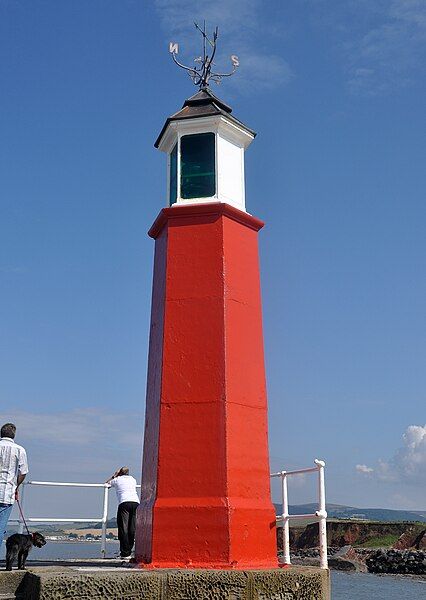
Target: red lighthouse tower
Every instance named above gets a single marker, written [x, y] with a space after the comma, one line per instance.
[205, 498]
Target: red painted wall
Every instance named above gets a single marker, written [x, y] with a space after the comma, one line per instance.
[205, 479]
[153, 397]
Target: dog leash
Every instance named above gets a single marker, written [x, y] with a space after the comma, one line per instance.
[22, 516]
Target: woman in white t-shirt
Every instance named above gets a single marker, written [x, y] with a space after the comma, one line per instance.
[128, 501]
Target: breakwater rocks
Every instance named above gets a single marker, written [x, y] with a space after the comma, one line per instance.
[407, 562]
[385, 561]
[313, 552]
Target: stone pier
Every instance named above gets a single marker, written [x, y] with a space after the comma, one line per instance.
[98, 582]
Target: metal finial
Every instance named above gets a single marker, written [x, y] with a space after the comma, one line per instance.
[202, 73]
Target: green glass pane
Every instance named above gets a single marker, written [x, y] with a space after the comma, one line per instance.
[173, 176]
[197, 165]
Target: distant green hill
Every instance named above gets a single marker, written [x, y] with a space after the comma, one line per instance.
[338, 511]
[111, 523]
[334, 511]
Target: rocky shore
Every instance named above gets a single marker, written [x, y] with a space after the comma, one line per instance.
[339, 559]
[382, 560]
[403, 562]
[389, 548]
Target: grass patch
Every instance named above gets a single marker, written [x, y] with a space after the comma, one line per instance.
[380, 541]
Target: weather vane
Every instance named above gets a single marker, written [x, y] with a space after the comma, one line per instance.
[202, 73]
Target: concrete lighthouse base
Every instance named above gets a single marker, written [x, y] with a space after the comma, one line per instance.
[63, 583]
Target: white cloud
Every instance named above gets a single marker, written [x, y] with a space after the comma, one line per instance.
[178, 15]
[410, 460]
[87, 426]
[242, 27]
[11, 269]
[382, 42]
[408, 464]
[262, 71]
[411, 11]
[389, 52]
[81, 445]
[364, 469]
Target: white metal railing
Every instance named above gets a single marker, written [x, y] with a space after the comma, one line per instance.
[320, 514]
[285, 517]
[103, 519]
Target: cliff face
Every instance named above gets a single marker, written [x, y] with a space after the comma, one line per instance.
[412, 538]
[344, 533]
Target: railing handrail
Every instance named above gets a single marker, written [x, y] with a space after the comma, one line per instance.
[70, 484]
[58, 519]
[296, 472]
[103, 519]
[320, 515]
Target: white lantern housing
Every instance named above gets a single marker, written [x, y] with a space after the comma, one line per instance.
[205, 147]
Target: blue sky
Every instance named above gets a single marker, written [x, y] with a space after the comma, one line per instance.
[336, 92]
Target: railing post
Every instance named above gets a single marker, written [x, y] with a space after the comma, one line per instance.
[21, 500]
[104, 521]
[286, 526]
[322, 514]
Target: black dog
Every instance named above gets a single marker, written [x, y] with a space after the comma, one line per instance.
[18, 545]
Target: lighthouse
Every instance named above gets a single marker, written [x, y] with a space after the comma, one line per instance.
[205, 495]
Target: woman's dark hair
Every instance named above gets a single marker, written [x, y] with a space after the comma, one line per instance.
[8, 430]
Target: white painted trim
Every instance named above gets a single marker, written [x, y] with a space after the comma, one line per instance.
[216, 167]
[168, 178]
[169, 138]
[243, 178]
[213, 124]
[178, 169]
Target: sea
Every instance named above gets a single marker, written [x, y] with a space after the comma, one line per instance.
[345, 586]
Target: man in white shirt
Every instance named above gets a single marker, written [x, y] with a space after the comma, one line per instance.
[13, 468]
[128, 501]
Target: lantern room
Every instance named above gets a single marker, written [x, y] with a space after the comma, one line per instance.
[205, 147]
